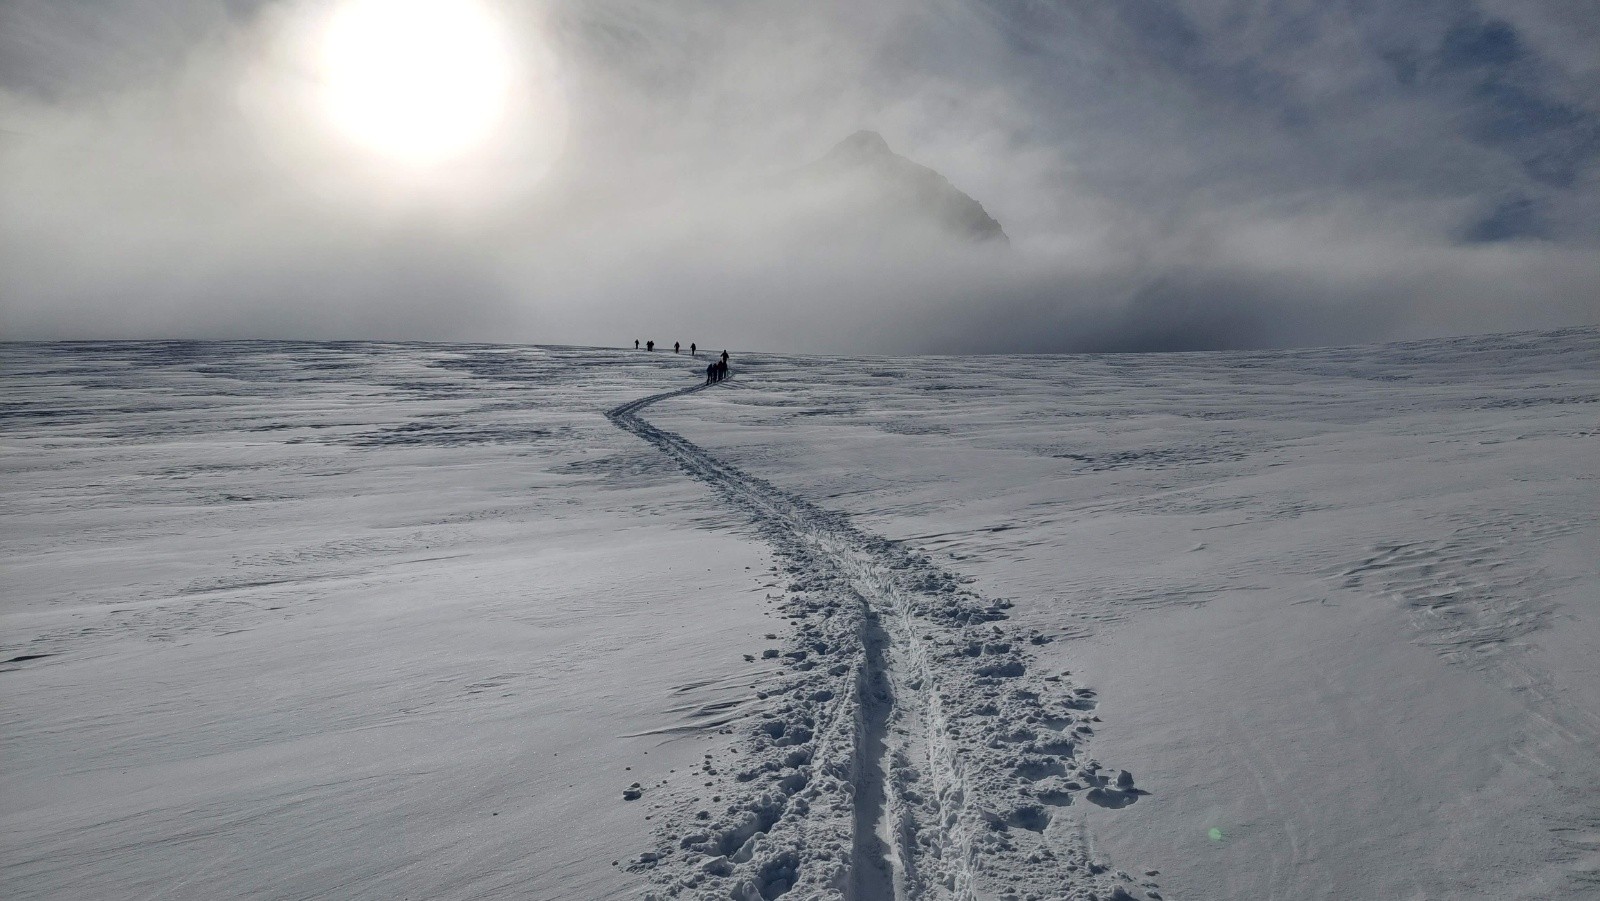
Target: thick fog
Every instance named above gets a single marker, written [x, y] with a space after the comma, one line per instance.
[1169, 174]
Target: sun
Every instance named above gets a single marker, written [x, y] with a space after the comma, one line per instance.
[419, 81]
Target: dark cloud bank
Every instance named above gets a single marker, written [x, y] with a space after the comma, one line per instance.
[1168, 174]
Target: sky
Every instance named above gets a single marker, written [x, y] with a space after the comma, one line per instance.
[1172, 174]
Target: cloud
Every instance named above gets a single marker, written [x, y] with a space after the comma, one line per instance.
[1173, 175]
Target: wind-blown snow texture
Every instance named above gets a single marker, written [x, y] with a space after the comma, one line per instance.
[317, 620]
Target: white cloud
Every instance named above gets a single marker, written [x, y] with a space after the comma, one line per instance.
[1169, 176]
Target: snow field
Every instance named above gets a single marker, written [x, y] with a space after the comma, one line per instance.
[364, 620]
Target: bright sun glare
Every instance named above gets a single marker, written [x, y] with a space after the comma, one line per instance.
[420, 81]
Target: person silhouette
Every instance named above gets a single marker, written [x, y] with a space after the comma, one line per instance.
[636, 344]
[691, 348]
[711, 373]
[675, 347]
[724, 358]
[650, 345]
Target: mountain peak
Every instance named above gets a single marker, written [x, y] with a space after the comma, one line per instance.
[866, 142]
[900, 184]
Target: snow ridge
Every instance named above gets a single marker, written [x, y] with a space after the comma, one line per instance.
[909, 753]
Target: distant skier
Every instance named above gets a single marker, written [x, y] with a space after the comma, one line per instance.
[636, 344]
[691, 348]
[724, 359]
[674, 347]
[650, 345]
[711, 373]
[722, 370]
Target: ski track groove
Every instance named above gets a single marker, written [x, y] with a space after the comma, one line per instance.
[910, 732]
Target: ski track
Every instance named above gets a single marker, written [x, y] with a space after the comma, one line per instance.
[908, 752]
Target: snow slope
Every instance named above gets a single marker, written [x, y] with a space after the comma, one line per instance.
[287, 620]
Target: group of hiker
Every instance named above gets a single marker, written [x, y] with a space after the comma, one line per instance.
[716, 371]
[676, 347]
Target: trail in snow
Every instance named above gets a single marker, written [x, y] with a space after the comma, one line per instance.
[910, 754]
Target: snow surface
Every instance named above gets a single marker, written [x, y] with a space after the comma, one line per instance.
[389, 620]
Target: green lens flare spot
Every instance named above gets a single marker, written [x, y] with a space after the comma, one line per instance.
[1215, 833]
